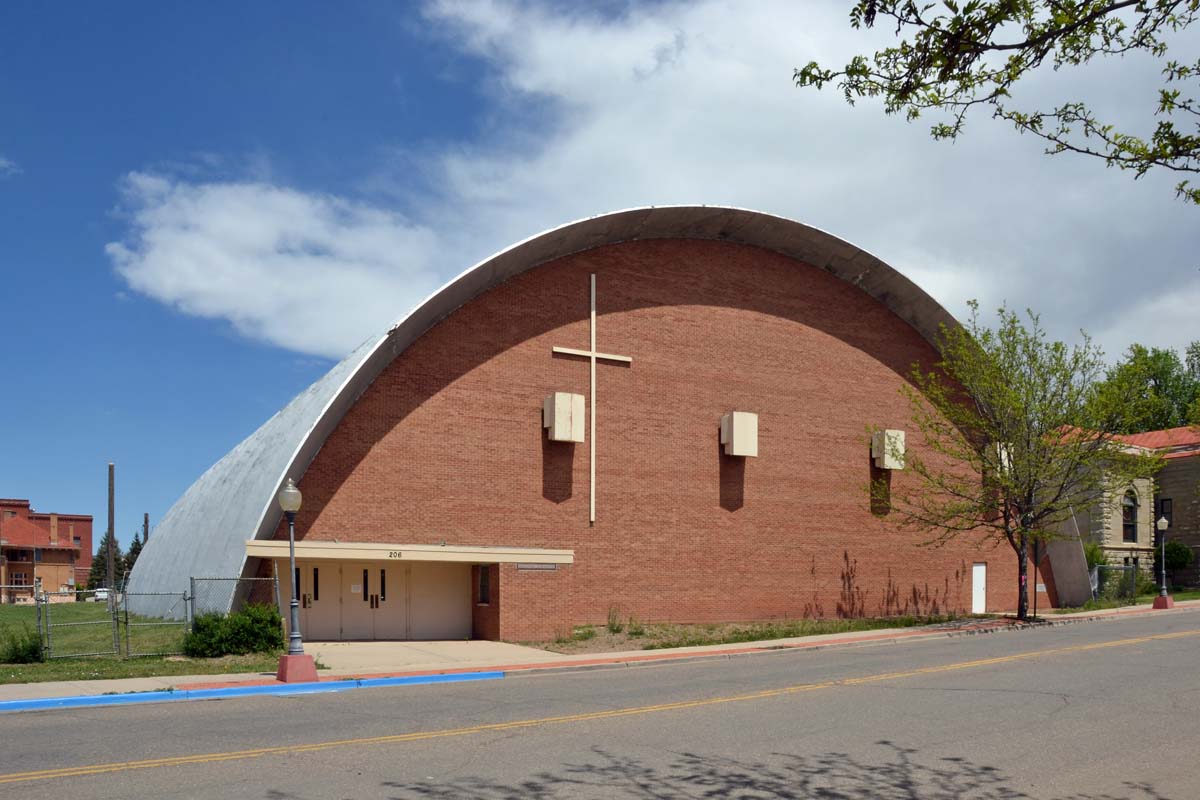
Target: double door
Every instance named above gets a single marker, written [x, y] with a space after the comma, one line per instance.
[384, 600]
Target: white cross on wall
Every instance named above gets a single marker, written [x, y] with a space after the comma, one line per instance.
[592, 356]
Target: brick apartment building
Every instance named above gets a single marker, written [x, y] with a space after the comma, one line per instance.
[661, 413]
[54, 547]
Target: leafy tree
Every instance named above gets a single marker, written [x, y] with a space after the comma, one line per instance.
[1160, 391]
[98, 575]
[1014, 437]
[969, 53]
[1193, 360]
[131, 556]
[1179, 557]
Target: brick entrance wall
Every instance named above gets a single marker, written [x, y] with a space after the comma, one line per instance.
[447, 445]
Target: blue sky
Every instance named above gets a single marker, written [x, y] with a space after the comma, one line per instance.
[87, 94]
[204, 206]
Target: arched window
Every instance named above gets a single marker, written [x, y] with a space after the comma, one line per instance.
[1129, 515]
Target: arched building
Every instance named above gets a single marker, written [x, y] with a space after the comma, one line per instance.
[478, 472]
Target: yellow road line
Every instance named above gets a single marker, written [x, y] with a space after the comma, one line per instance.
[208, 758]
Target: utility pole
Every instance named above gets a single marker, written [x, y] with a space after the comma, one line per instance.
[111, 528]
[145, 527]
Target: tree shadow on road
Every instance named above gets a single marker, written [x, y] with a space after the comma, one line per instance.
[896, 775]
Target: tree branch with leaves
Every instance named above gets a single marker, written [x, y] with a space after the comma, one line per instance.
[973, 53]
[1017, 434]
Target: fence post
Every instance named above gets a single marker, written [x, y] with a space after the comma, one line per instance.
[45, 607]
[192, 606]
[126, 605]
[116, 621]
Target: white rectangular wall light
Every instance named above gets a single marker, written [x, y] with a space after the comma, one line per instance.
[562, 416]
[887, 448]
[739, 433]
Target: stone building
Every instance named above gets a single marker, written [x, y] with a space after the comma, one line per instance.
[1122, 522]
[1177, 495]
[660, 413]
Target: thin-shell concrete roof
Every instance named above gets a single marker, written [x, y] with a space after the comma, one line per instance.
[204, 533]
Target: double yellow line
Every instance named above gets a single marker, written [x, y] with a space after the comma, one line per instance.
[237, 755]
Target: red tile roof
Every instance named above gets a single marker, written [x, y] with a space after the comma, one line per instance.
[1178, 442]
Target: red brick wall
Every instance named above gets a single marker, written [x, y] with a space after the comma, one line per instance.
[447, 444]
[36, 532]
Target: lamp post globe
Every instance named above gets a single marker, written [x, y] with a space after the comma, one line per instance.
[289, 501]
[290, 497]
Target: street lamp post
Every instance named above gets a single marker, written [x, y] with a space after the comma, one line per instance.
[1163, 600]
[289, 500]
[294, 665]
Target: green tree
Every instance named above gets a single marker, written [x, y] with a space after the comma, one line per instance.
[1193, 360]
[1159, 389]
[1014, 439]
[967, 53]
[98, 575]
[131, 555]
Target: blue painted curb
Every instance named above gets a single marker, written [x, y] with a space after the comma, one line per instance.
[322, 687]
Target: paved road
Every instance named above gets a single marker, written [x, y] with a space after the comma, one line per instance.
[1100, 710]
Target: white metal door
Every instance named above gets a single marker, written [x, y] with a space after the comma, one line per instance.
[358, 602]
[320, 606]
[979, 589]
[391, 604]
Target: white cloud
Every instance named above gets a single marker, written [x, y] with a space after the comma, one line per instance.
[8, 167]
[674, 103]
[314, 273]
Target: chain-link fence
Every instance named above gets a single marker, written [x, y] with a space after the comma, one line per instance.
[221, 595]
[1114, 582]
[75, 624]
[153, 636]
[103, 622]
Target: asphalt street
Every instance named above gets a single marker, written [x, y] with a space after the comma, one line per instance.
[1097, 710]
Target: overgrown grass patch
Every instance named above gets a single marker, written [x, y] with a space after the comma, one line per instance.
[698, 635]
[637, 635]
[104, 667]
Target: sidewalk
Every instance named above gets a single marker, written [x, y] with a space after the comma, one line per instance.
[417, 662]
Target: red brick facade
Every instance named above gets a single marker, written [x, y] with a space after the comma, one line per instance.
[447, 445]
[54, 547]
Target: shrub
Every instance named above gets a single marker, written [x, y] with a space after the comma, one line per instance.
[1179, 555]
[584, 633]
[1094, 554]
[257, 628]
[20, 645]
[206, 637]
[1145, 584]
[254, 629]
[614, 621]
[636, 629]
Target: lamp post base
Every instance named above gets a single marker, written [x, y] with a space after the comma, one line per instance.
[1164, 602]
[296, 669]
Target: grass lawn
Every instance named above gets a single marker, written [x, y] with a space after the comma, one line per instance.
[78, 629]
[632, 635]
[87, 669]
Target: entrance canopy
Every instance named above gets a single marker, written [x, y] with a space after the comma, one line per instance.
[372, 551]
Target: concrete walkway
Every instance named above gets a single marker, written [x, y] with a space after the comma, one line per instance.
[396, 659]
